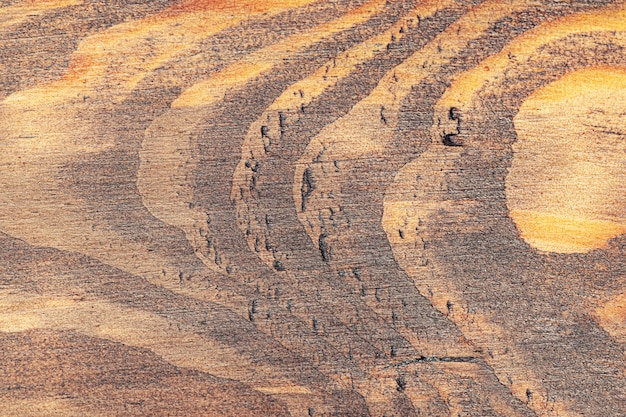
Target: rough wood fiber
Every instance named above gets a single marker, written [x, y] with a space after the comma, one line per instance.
[312, 208]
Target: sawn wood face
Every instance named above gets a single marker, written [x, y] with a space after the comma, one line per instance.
[312, 208]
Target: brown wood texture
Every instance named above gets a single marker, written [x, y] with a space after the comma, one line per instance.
[312, 208]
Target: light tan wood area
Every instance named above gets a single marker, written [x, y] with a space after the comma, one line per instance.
[566, 188]
[312, 208]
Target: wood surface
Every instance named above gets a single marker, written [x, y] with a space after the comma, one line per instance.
[312, 208]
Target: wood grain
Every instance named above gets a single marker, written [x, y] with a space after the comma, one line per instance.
[313, 208]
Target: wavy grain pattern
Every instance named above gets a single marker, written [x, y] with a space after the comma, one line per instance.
[312, 208]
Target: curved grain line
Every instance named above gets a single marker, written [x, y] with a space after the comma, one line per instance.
[259, 144]
[219, 97]
[295, 99]
[68, 220]
[433, 169]
[311, 314]
[349, 137]
[195, 293]
[174, 263]
[68, 275]
[49, 125]
[120, 57]
[148, 331]
[292, 103]
[352, 136]
[93, 375]
[167, 162]
[37, 50]
[364, 133]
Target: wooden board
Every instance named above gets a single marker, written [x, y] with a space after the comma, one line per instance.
[312, 208]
